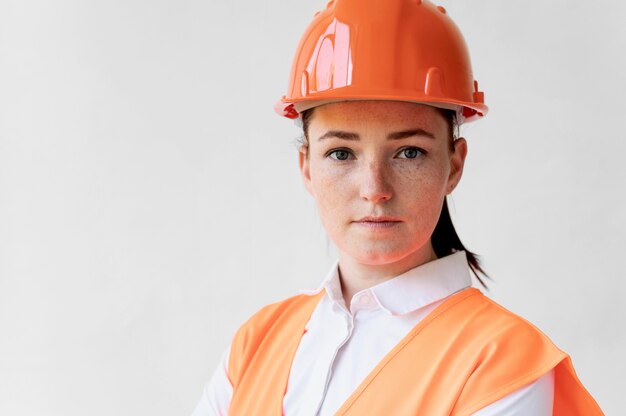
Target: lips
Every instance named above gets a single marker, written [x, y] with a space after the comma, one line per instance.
[378, 224]
[379, 219]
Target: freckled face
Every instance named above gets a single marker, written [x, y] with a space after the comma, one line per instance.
[380, 158]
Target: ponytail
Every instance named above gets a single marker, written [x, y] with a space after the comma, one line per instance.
[446, 241]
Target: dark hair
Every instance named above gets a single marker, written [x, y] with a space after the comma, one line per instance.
[445, 240]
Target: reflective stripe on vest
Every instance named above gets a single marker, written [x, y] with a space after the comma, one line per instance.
[466, 354]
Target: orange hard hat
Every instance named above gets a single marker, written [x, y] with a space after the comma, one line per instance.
[401, 50]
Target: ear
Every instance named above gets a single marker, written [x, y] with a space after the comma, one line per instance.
[457, 161]
[305, 169]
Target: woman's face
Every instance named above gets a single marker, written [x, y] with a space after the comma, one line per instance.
[380, 159]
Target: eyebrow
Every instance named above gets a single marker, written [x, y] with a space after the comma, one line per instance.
[346, 135]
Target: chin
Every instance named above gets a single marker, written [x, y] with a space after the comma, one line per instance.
[377, 254]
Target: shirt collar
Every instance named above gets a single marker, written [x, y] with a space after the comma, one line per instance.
[411, 290]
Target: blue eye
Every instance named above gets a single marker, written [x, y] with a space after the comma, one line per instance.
[411, 152]
[341, 154]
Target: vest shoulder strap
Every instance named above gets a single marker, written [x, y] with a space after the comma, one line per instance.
[261, 354]
[466, 354]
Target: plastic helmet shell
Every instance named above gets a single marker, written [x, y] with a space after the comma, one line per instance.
[402, 50]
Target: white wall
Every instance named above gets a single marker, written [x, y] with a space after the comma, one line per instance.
[150, 199]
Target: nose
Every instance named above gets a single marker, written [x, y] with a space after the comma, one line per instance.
[375, 185]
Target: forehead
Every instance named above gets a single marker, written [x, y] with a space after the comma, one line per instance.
[378, 114]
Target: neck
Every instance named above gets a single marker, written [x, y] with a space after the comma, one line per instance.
[356, 275]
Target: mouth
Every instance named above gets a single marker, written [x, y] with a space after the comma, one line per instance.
[378, 223]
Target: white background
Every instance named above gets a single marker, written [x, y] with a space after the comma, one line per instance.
[150, 199]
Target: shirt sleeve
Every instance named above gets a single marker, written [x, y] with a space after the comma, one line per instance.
[534, 399]
[217, 392]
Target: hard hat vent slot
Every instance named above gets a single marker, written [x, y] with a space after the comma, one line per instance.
[434, 82]
[324, 65]
[304, 85]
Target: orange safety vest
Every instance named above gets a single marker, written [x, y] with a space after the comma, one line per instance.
[466, 354]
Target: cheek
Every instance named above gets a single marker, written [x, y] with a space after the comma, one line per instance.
[419, 181]
[419, 193]
[333, 192]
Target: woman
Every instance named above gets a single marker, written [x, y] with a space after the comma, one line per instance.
[395, 328]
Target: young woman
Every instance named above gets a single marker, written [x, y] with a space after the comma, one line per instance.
[395, 328]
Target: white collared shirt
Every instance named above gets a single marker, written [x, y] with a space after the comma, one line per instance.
[343, 344]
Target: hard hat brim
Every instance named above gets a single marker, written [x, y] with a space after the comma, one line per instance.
[466, 112]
